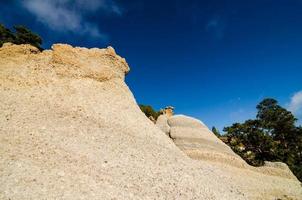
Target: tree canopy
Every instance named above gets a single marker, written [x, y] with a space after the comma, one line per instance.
[272, 136]
[149, 111]
[21, 35]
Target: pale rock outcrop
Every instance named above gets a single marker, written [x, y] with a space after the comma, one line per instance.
[186, 121]
[168, 111]
[194, 138]
[162, 120]
[70, 129]
[162, 124]
[277, 165]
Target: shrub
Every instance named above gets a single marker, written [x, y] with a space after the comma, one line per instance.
[149, 111]
[22, 35]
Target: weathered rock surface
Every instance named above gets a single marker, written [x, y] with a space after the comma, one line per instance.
[195, 139]
[198, 142]
[70, 129]
[162, 124]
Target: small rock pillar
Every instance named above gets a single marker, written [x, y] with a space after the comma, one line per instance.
[169, 111]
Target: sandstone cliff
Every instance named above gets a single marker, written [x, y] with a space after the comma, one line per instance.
[70, 129]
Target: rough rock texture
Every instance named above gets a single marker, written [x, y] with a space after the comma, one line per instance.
[162, 124]
[70, 129]
[198, 142]
[195, 139]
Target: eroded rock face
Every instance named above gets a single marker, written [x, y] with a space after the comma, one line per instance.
[198, 142]
[70, 128]
[98, 64]
[162, 124]
[195, 139]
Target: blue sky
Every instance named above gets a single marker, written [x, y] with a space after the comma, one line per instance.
[214, 60]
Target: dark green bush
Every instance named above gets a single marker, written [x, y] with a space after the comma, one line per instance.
[272, 136]
[22, 35]
[149, 111]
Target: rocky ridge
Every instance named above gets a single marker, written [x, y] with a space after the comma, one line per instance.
[70, 128]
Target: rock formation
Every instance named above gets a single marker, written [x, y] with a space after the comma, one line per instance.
[162, 124]
[198, 142]
[70, 129]
[195, 139]
[168, 111]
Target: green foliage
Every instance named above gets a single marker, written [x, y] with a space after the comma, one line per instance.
[216, 131]
[272, 136]
[149, 111]
[25, 36]
[250, 142]
[22, 35]
[6, 35]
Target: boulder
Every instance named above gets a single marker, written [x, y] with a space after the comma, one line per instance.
[194, 138]
[185, 121]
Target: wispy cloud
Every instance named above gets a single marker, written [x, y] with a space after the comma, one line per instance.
[295, 105]
[216, 26]
[70, 15]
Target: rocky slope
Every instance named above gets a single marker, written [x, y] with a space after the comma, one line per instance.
[70, 129]
[195, 139]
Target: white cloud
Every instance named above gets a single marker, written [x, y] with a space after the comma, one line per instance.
[69, 15]
[295, 105]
